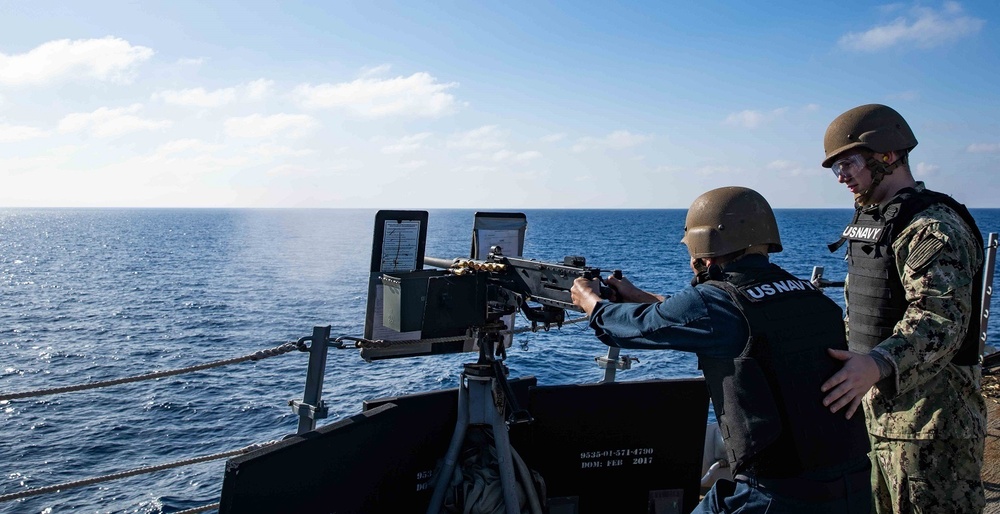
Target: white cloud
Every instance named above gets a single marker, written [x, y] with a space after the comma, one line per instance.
[487, 145]
[786, 168]
[552, 138]
[526, 156]
[108, 58]
[52, 159]
[923, 27]
[407, 144]
[189, 61]
[105, 122]
[197, 164]
[412, 165]
[753, 118]
[984, 148]
[197, 97]
[200, 97]
[194, 156]
[375, 71]
[717, 170]
[484, 138]
[923, 169]
[624, 139]
[290, 170]
[269, 150]
[782, 165]
[259, 126]
[419, 94]
[185, 145]
[616, 140]
[505, 156]
[749, 119]
[15, 133]
[477, 169]
[669, 169]
[258, 89]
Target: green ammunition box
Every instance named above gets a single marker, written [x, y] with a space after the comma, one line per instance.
[403, 298]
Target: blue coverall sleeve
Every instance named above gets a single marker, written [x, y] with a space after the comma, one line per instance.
[701, 319]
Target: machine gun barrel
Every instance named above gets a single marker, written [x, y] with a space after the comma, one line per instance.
[440, 263]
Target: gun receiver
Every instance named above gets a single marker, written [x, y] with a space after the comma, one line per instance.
[545, 283]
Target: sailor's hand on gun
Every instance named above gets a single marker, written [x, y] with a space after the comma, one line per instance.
[627, 292]
[616, 288]
[586, 293]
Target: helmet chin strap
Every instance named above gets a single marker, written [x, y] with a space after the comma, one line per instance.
[879, 170]
[706, 273]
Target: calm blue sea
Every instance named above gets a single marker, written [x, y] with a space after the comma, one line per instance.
[97, 294]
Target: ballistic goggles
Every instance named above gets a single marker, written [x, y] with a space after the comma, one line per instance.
[848, 166]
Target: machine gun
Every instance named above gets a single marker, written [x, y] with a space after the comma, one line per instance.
[468, 293]
[530, 280]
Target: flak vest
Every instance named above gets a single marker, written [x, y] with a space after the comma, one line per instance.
[876, 298]
[767, 400]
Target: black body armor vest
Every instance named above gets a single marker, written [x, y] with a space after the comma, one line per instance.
[875, 293]
[767, 400]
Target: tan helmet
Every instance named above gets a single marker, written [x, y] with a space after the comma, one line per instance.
[873, 126]
[727, 220]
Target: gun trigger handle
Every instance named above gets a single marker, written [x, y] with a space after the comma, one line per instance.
[611, 292]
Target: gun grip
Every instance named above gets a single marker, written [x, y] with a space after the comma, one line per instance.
[610, 292]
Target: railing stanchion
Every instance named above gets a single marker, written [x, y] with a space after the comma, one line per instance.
[312, 406]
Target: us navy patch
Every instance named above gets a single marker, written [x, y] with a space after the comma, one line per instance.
[761, 292]
[863, 233]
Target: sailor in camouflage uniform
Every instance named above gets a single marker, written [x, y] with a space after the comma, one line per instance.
[914, 267]
[761, 336]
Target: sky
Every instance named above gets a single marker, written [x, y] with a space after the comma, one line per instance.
[481, 105]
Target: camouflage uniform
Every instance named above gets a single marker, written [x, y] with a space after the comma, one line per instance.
[927, 421]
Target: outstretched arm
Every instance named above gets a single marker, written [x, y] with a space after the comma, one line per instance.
[627, 292]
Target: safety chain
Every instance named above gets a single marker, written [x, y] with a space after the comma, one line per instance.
[133, 472]
[258, 355]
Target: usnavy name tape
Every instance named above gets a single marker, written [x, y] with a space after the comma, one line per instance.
[863, 233]
[759, 292]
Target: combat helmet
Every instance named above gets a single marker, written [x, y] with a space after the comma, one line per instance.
[727, 220]
[875, 127]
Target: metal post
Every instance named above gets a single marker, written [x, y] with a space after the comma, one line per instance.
[610, 363]
[988, 265]
[312, 407]
[614, 362]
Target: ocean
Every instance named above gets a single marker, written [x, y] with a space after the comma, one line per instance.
[98, 294]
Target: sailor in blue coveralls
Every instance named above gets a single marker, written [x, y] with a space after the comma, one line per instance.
[761, 336]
